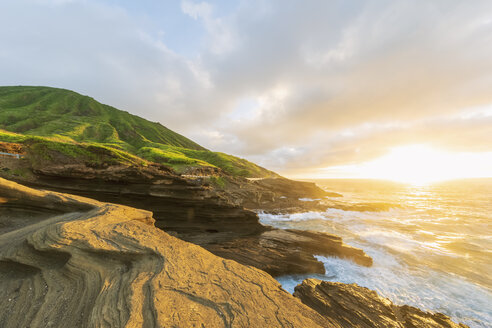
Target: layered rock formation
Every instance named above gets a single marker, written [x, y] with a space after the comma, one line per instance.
[288, 251]
[276, 194]
[350, 305]
[66, 261]
[196, 210]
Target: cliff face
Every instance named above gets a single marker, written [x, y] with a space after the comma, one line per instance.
[197, 211]
[66, 261]
[359, 307]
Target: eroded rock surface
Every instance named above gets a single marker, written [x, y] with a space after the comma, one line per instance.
[195, 210]
[81, 263]
[350, 305]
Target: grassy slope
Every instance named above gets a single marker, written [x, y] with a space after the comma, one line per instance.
[79, 126]
[43, 149]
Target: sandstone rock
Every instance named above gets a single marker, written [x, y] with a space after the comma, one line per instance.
[350, 305]
[75, 262]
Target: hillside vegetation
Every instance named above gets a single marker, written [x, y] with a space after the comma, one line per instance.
[54, 120]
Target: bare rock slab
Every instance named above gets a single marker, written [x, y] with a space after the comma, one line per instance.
[350, 305]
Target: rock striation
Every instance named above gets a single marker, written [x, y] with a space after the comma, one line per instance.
[195, 210]
[350, 305]
[67, 261]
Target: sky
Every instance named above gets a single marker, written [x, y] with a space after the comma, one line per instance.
[311, 88]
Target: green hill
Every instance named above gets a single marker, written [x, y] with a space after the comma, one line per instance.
[50, 112]
[58, 120]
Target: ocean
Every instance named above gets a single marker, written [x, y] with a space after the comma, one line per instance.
[431, 244]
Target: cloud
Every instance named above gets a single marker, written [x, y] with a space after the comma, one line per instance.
[382, 63]
[196, 10]
[289, 84]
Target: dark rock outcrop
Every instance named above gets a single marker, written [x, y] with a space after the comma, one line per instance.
[280, 251]
[67, 261]
[350, 305]
[184, 206]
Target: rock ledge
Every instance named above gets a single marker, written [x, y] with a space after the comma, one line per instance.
[350, 305]
[68, 261]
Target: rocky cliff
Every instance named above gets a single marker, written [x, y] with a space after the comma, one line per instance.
[350, 305]
[66, 261]
[197, 209]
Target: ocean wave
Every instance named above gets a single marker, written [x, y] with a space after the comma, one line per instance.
[305, 216]
[428, 290]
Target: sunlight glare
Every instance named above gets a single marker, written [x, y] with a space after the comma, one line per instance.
[421, 164]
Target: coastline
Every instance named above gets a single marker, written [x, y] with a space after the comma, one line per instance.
[218, 217]
[100, 258]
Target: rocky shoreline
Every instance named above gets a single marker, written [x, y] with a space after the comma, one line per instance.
[68, 261]
[197, 210]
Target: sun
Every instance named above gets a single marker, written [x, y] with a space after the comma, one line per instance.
[416, 164]
[420, 164]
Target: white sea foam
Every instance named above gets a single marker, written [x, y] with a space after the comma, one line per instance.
[412, 264]
[427, 290]
[270, 219]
